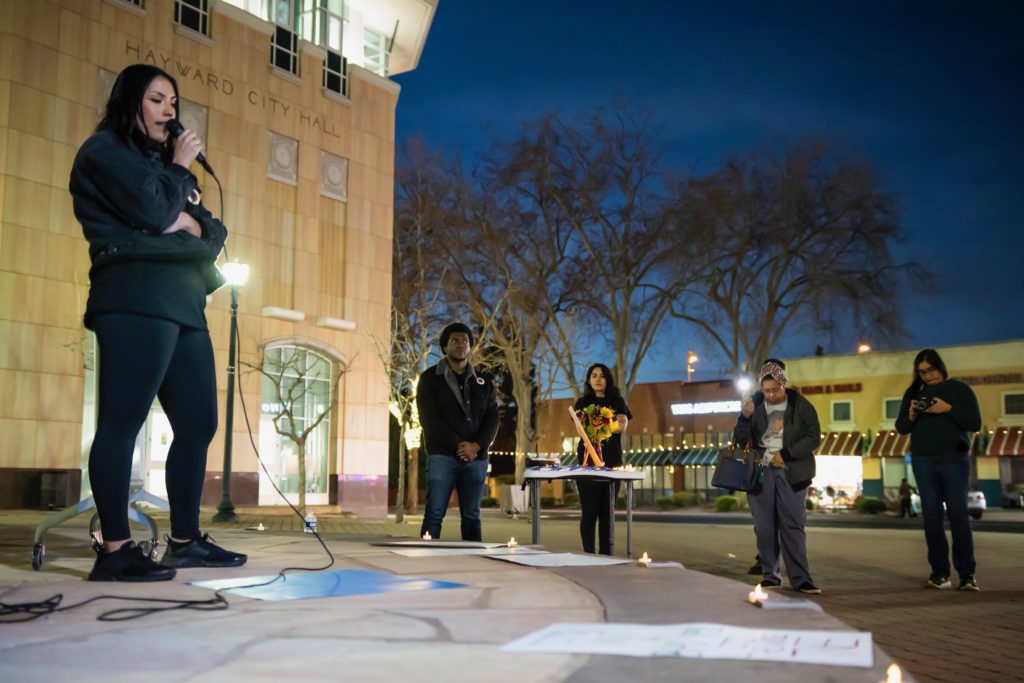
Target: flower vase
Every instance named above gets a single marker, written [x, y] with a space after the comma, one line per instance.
[600, 457]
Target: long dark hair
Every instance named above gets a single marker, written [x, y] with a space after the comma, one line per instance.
[125, 105]
[610, 390]
[935, 360]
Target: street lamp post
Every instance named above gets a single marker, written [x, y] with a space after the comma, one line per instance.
[236, 274]
[691, 358]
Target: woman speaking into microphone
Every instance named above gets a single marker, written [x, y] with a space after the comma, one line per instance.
[152, 245]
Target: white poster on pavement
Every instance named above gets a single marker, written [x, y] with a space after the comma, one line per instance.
[701, 641]
[562, 560]
[451, 552]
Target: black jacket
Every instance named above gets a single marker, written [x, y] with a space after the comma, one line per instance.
[124, 197]
[448, 419]
[800, 435]
[944, 432]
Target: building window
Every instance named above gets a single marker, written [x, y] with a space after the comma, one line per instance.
[891, 408]
[259, 8]
[375, 52]
[842, 411]
[336, 73]
[284, 43]
[141, 4]
[1013, 404]
[284, 50]
[322, 22]
[193, 14]
[296, 401]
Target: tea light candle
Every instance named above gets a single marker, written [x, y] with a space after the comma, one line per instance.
[512, 542]
[260, 527]
[426, 536]
[893, 674]
[644, 560]
[757, 595]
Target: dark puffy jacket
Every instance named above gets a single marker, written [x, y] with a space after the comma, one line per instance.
[125, 197]
[448, 419]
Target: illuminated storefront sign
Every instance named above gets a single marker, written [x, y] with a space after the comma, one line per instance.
[705, 408]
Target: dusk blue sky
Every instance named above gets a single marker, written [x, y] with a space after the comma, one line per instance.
[930, 92]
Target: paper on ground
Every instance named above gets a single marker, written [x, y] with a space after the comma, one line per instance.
[562, 560]
[776, 603]
[701, 641]
[437, 543]
[448, 552]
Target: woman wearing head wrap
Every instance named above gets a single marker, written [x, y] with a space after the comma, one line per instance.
[782, 428]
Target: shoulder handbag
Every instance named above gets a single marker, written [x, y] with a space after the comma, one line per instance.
[745, 473]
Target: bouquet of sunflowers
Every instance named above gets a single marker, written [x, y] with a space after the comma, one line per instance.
[596, 424]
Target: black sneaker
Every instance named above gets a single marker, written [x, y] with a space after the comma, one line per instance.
[938, 582]
[200, 552]
[968, 583]
[755, 568]
[809, 588]
[127, 563]
[770, 582]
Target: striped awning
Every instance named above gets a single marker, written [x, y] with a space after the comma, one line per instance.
[699, 456]
[662, 457]
[840, 443]
[890, 445]
[1006, 441]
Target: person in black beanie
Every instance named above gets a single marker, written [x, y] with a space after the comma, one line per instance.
[939, 414]
[459, 414]
[152, 245]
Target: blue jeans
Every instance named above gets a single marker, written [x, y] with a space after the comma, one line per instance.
[444, 474]
[943, 479]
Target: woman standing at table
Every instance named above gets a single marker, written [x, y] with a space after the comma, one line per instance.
[598, 497]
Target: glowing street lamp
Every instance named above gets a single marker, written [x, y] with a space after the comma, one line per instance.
[691, 358]
[236, 275]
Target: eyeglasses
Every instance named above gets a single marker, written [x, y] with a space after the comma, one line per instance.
[926, 371]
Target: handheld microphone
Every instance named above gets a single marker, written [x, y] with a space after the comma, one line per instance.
[174, 129]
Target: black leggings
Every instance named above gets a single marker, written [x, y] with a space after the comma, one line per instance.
[596, 498]
[140, 358]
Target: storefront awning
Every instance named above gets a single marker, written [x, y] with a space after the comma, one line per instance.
[890, 445]
[1006, 441]
[840, 443]
[700, 456]
[661, 458]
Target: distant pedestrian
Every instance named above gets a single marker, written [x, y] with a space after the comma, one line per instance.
[906, 509]
[939, 414]
[784, 427]
[459, 415]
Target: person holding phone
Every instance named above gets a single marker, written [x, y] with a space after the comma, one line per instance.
[939, 414]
